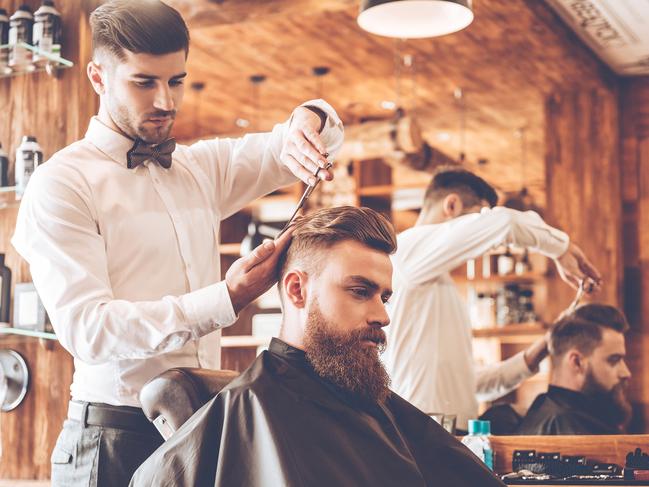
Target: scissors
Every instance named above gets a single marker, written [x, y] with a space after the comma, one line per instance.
[585, 285]
[307, 192]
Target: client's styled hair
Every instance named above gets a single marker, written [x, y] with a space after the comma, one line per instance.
[326, 227]
[582, 329]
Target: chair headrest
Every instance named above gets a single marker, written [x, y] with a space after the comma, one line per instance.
[178, 393]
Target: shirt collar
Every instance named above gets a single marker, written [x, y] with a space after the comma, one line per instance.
[108, 141]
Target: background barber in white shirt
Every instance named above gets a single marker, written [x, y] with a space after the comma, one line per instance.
[122, 238]
[429, 353]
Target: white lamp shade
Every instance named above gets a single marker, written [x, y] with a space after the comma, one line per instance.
[414, 19]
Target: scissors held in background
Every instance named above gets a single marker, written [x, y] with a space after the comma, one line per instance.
[586, 286]
[305, 196]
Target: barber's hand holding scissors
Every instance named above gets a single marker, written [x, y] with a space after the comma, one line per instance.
[303, 152]
[251, 276]
[574, 267]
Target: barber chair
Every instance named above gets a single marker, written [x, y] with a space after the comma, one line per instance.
[171, 398]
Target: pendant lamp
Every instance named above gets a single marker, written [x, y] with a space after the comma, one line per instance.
[414, 19]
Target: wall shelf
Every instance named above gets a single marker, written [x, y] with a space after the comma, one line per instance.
[51, 66]
[497, 278]
[231, 249]
[513, 333]
[8, 197]
[5, 329]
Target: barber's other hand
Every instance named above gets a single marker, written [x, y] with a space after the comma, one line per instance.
[251, 276]
[303, 152]
[574, 266]
[536, 352]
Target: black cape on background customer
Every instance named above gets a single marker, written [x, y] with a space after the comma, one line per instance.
[562, 411]
[280, 424]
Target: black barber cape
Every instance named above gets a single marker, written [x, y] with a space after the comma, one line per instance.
[280, 424]
[563, 411]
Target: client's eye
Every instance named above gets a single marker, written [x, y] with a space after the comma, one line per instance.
[360, 292]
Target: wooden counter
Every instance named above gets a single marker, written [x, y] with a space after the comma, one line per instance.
[604, 448]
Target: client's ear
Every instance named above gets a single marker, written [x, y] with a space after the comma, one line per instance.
[452, 205]
[576, 361]
[294, 286]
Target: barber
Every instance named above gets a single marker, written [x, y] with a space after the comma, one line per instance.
[121, 232]
[429, 354]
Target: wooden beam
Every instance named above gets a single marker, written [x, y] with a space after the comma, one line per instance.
[208, 13]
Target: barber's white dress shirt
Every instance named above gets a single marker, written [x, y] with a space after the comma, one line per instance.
[429, 352]
[126, 261]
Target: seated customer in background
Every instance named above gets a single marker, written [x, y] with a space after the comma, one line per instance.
[587, 393]
[315, 409]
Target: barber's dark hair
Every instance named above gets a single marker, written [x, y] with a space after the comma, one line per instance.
[582, 329]
[326, 227]
[472, 189]
[143, 26]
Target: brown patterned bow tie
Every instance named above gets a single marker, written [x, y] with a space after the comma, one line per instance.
[141, 151]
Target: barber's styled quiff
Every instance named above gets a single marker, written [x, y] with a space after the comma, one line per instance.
[142, 26]
[582, 329]
[472, 189]
[324, 228]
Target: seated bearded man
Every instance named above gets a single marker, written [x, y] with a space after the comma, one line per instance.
[587, 391]
[315, 409]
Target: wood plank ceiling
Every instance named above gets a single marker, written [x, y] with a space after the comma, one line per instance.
[514, 54]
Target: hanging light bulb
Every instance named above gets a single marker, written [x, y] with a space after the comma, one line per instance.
[414, 19]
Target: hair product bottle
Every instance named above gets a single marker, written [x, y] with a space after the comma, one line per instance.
[47, 31]
[29, 156]
[21, 26]
[5, 290]
[4, 167]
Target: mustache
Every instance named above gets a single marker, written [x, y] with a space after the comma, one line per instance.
[162, 114]
[376, 335]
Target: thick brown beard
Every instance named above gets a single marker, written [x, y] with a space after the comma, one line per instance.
[615, 401]
[342, 359]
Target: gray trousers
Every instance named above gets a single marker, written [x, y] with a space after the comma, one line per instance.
[97, 456]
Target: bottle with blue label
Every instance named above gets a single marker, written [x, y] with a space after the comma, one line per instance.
[488, 453]
[473, 441]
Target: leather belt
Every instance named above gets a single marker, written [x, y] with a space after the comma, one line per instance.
[121, 417]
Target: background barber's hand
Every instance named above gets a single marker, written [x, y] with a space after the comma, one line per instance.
[574, 266]
[303, 152]
[536, 352]
[251, 276]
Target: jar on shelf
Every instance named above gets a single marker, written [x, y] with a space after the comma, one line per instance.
[482, 311]
[526, 306]
[523, 264]
[506, 263]
[507, 311]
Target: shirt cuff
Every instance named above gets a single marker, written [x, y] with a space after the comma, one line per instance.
[557, 245]
[333, 133]
[517, 368]
[209, 308]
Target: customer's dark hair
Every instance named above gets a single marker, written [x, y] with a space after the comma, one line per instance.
[582, 329]
[326, 227]
[472, 189]
[143, 26]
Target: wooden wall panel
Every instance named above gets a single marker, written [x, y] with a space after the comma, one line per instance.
[56, 111]
[583, 182]
[634, 130]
